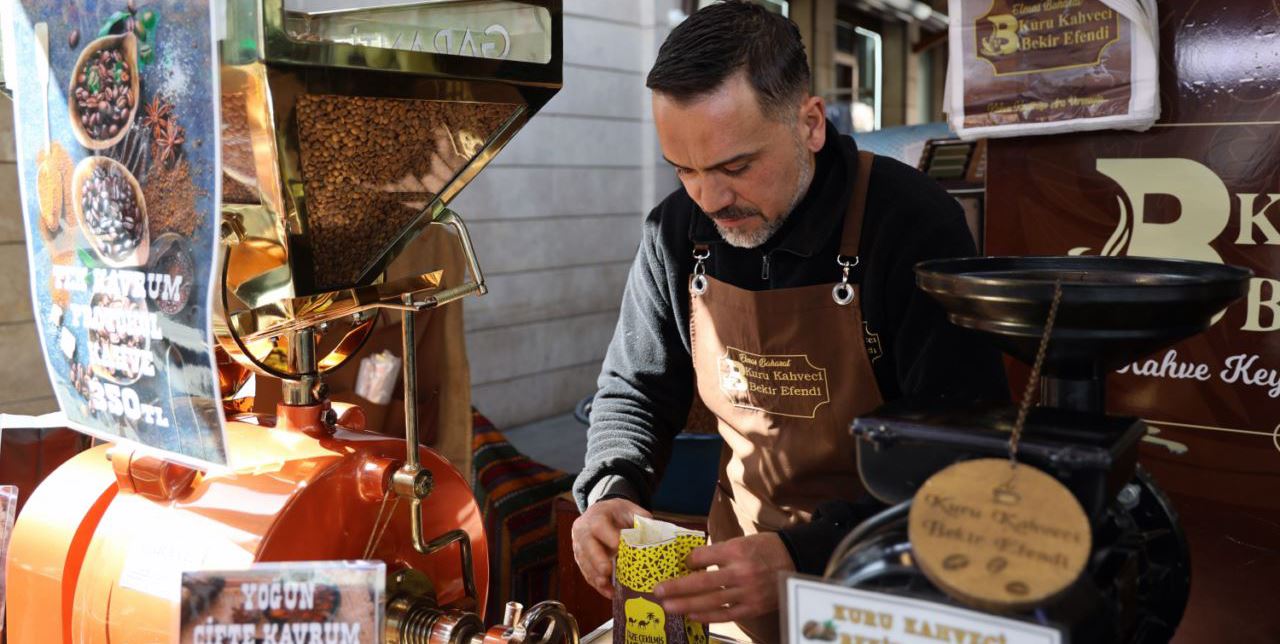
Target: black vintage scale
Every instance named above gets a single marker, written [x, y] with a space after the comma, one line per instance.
[1113, 310]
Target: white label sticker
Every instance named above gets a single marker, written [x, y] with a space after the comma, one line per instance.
[157, 569]
[820, 612]
[154, 565]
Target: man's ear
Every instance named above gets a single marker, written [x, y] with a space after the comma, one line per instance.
[813, 123]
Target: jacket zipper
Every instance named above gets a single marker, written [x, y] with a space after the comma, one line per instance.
[764, 267]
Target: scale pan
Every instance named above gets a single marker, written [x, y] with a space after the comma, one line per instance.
[1114, 309]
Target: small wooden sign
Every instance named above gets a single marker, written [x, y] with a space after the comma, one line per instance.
[998, 537]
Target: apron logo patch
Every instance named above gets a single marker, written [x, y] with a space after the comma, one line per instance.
[872, 340]
[786, 385]
[733, 378]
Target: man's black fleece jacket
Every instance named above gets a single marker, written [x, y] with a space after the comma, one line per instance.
[646, 385]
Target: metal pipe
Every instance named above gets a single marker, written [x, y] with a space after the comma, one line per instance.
[448, 295]
[301, 360]
[410, 373]
[511, 615]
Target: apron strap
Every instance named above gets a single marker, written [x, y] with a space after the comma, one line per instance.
[857, 206]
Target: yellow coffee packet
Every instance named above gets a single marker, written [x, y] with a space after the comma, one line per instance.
[648, 554]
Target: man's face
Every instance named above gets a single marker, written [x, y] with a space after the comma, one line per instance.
[744, 170]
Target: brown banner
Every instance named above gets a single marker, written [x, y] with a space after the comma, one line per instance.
[1203, 185]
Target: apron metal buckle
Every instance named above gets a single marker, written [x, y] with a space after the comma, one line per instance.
[843, 292]
[699, 284]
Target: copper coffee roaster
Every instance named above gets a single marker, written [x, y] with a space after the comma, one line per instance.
[316, 204]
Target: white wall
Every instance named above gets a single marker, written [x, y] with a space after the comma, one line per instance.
[556, 218]
[24, 385]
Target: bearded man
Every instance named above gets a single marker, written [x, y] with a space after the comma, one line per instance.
[776, 285]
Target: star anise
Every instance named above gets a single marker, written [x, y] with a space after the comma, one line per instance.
[158, 114]
[171, 136]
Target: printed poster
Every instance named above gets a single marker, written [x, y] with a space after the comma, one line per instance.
[116, 122]
[1021, 67]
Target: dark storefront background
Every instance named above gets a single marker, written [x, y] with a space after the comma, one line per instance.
[1203, 184]
[876, 63]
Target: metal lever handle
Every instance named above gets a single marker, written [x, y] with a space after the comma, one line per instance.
[452, 294]
[459, 537]
[450, 218]
[408, 305]
[413, 482]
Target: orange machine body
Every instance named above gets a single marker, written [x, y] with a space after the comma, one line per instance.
[96, 555]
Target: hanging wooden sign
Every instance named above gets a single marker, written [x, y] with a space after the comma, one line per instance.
[998, 537]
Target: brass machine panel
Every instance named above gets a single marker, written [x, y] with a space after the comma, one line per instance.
[347, 129]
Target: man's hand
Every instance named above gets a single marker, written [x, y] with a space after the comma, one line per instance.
[595, 540]
[745, 585]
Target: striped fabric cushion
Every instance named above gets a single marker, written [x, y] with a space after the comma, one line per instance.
[516, 496]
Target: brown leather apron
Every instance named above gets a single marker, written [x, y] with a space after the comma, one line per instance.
[785, 371]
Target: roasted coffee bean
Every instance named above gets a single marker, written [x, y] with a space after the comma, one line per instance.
[102, 93]
[73, 38]
[370, 165]
[111, 209]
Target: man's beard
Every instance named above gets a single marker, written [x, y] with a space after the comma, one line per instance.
[761, 234]
[745, 238]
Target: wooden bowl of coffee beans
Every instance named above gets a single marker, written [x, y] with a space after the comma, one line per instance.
[109, 206]
[103, 97]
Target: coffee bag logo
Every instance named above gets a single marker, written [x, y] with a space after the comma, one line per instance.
[1047, 35]
[1003, 39]
[646, 622]
[1204, 214]
[786, 385]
